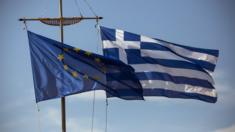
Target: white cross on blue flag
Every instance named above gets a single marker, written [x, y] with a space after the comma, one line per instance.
[164, 68]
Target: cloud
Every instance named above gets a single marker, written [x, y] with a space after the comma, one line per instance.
[73, 125]
[228, 129]
[53, 120]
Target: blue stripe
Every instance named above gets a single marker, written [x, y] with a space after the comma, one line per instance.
[204, 64]
[153, 46]
[164, 77]
[206, 51]
[111, 53]
[131, 36]
[108, 34]
[125, 94]
[166, 63]
[134, 57]
[174, 79]
[175, 94]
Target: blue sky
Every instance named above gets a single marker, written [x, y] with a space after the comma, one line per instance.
[199, 23]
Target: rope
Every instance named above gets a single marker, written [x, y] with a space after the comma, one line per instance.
[106, 116]
[78, 7]
[98, 34]
[45, 8]
[93, 111]
[106, 106]
[93, 105]
[90, 7]
[39, 121]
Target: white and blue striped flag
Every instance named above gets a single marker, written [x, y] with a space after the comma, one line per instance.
[164, 68]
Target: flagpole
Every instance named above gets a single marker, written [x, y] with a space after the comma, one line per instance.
[63, 112]
[60, 22]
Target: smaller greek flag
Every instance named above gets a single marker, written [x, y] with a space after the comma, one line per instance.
[164, 68]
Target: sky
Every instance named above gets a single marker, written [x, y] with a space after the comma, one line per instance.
[198, 23]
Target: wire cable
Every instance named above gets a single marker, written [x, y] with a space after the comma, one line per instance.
[93, 111]
[106, 115]
[39, 121]
[45, 8]
[90, 7]
[97, 26]
[78, 7]
[98, 34]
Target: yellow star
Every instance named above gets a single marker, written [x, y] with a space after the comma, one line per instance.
[85, 76]
[60, 57]
[66, 67]
[74, 74]
[96, 78]
[97, 60]
[87, 53]
[66, 49]
[77, 49]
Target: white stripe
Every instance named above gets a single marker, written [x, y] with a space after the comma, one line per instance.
[121, 44]
[120, 35]
[122, 55]
[148, 39]
[158, 54]
[193, 55]
[178, 87]
[109, 44]
[172, 71]
[183, 51]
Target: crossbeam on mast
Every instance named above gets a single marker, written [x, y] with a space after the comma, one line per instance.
[58, 18]
[57, 21]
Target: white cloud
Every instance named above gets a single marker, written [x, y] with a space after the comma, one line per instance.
[53, 116]
[228, 129]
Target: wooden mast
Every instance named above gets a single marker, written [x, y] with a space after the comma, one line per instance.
[63, 21]
[62, 100]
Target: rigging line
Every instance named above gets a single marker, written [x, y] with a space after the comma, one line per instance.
[97, 26]
[98, 34]
[45, 8]
[93, 111]
[39, 121]
[93, 105]
[90, 7]
[106, 115]
[78, 7]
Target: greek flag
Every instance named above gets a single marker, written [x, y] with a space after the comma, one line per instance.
[164, 68]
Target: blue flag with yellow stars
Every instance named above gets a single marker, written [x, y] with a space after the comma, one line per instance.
[60, 70]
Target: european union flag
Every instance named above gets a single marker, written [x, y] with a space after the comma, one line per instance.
[60, 70]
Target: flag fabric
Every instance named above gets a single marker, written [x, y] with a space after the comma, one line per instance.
[164, 68]
[60, 70]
